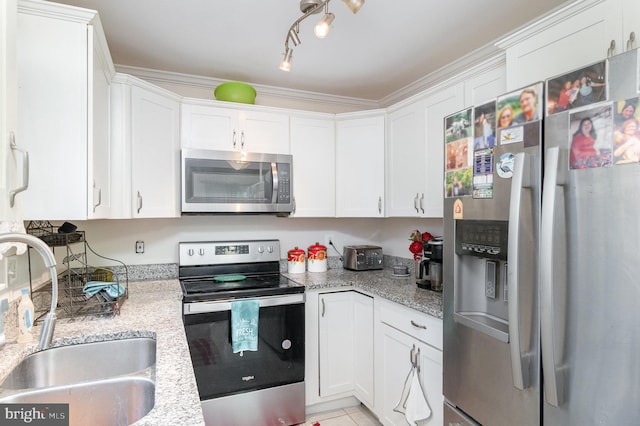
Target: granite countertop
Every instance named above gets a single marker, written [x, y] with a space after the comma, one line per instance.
[153, 309]
[378, 283]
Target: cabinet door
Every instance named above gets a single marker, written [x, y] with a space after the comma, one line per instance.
[155, 158]
[336, 343]
[576, 39]
[207, 127]
[314, 172]
[395, 350]
[406, 146]
[360, 167]
[53, 115]
[437, 106]
[363, 380]
[99, 148]
[9, 179]
[263, 132]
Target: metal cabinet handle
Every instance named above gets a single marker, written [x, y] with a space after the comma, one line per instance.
[294, 205]
[242, 140]
[323, 308]
[612, 49]
[99, 197]
[414, 357]
[422, 203]
[416, 325]
[551, 253]
[415, 203]
[631, 43]
[25, 169]
[139, 202]
[233, 139]
[380, 205]
[520, 182]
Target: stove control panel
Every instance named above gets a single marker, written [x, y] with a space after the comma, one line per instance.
[227, 252]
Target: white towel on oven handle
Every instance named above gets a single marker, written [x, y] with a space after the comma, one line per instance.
[413, 403]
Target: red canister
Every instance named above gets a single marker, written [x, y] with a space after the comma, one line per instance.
[317, 255]
[296, 259]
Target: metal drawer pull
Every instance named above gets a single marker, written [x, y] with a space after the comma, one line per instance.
[415, 324]
[139, 202]
[415, 358]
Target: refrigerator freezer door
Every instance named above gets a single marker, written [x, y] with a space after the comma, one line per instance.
[595, 321]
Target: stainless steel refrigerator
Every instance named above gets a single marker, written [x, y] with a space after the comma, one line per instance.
[542, 280]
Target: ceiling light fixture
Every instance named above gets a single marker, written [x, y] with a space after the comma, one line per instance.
[322, 28]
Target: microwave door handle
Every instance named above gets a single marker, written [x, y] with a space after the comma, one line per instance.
[274, 173]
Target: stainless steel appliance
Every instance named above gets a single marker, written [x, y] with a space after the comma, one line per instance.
[362, 258]
[251, 387]
[540, 295]
[430, 274]
[236, 182]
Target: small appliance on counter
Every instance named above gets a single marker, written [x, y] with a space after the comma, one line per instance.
[429, 276]
[362, 258]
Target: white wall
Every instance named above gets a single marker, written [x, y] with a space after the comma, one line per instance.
[116, 238]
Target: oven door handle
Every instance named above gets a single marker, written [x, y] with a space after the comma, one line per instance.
[225, 304]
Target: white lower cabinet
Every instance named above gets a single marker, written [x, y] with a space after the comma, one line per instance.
[339, 349]
[400, 333]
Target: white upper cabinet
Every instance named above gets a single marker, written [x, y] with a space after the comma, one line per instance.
[360, 164]
[64, 69]
[10, 179]
[146, 152]
[208, 126]
[576, 36]
[406, 160]
[313, 147]
[415, 153]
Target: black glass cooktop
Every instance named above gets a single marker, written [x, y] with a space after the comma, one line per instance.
[208, 288]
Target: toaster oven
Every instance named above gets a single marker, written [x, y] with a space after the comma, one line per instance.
[362, 258]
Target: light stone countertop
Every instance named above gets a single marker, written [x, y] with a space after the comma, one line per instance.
[153, 309]
[378, 283]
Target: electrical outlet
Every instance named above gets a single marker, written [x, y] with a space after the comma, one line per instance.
[328, 239]
[139, 246]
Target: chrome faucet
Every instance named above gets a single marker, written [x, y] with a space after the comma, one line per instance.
[46, 335]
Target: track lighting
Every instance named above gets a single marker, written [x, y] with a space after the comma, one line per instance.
[322, 28]
[285, 65]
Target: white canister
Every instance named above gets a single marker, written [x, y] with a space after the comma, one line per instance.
[317, 258]
[296, 261]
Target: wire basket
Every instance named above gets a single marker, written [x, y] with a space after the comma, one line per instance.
[54, 236]
[76, 297]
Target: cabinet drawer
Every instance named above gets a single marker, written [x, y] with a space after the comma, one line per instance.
[416, 324]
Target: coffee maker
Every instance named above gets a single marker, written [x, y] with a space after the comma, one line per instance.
[430, 273]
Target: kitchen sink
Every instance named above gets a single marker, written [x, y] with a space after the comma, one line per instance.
[104, 383]
[117, 401]
[82, 363]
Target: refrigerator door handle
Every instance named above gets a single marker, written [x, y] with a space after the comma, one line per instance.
[520, 181]
[551, 342]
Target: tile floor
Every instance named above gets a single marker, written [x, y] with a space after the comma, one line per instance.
[352, 416]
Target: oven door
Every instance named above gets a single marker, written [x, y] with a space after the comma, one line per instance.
[278, 361]
[235, 182]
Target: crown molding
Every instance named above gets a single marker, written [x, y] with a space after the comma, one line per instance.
[190, 80]
[557, 15]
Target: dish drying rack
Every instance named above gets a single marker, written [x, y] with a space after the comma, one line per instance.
[73, 301]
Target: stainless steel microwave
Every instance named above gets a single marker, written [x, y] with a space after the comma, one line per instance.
[236, 182]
